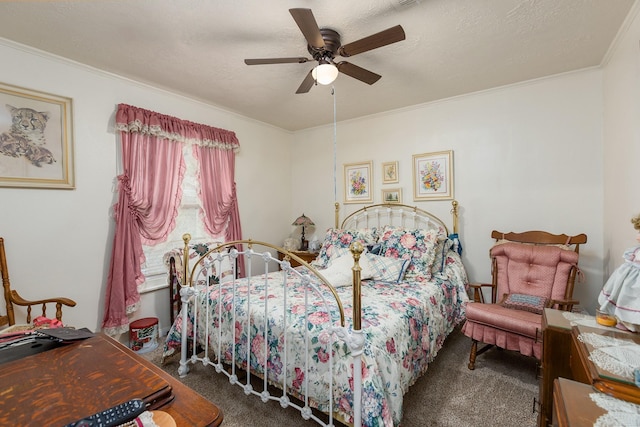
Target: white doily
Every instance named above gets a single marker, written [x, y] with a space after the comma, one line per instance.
[583, 319]
[619, 413]
[615, 355]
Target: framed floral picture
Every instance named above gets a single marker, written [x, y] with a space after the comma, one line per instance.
[36, 139]
[433, 176]
[392, 195]
[358, 186]
[389, 172]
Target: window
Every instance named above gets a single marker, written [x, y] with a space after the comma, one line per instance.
[188, 221]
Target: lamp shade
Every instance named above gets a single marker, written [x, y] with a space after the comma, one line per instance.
[325, 73]
[303, 220]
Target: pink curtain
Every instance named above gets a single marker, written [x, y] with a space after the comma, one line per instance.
[149, 195]
[218, 194]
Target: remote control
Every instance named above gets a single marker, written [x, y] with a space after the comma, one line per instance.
[117, 415]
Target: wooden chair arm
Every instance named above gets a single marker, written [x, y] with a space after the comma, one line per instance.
[17, 299]
[480, 285]
[59, 302]
[477, 290]
[564, 304]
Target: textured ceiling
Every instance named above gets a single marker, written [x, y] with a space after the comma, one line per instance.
[197, 47]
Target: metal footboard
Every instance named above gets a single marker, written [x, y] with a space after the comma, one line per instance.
[233, 325]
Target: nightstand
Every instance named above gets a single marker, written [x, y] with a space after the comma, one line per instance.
[304, 255]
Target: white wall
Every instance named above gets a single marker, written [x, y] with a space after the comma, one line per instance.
[59, 241]
[622, 143]
[526, 157]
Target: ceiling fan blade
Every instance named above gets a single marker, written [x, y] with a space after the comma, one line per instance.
[374, 41]
[309, 27]
[358, 72]
[299, 60]
[306, 84]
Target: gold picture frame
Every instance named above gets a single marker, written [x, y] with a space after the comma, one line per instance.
[36, 139]
[390, 172]
[358, 185]
[392, 195]
[433, 176]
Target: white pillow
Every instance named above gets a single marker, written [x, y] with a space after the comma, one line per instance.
[340, 272]
[338, 253]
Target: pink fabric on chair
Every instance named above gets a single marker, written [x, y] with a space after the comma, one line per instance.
[494, 315]
[508, 340]
[533, 270]
[521, 269]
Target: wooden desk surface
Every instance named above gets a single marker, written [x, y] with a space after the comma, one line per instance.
[62, 385]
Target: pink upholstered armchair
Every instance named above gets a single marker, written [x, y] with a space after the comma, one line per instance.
[530, 271]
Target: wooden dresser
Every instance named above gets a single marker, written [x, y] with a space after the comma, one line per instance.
[565, 356]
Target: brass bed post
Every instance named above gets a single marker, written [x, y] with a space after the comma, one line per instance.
[186, 291]
[357, 336]
[356, 250]
[454, 213]
[186, 238]
[337, 214]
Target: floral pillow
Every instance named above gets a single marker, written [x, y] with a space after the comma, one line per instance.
[337, 239]
[414, 244]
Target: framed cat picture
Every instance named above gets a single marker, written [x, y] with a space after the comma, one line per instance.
[36, 139]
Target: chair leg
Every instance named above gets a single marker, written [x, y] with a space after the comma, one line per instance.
[472, 355]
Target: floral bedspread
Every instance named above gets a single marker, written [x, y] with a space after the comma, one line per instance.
[405, 326]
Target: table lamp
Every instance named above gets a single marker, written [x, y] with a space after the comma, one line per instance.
[304, 221]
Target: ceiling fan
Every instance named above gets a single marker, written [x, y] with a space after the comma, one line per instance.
[324, 45]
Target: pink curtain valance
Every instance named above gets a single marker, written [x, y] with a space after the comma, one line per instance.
[137, 120]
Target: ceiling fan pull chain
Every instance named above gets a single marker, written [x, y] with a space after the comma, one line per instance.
[335, 145]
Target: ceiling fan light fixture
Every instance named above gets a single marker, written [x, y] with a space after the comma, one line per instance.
[325, 73]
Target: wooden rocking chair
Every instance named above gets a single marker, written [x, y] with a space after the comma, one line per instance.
[12, 298]
[530, 271]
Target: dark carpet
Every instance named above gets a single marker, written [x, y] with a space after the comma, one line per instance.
[499, 392]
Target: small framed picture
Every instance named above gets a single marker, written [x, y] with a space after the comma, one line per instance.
[433, 176]
[36, 139]
[358, 186]
[389, 172]
[392, 195]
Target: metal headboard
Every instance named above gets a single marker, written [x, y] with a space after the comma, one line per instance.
[382, 214]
